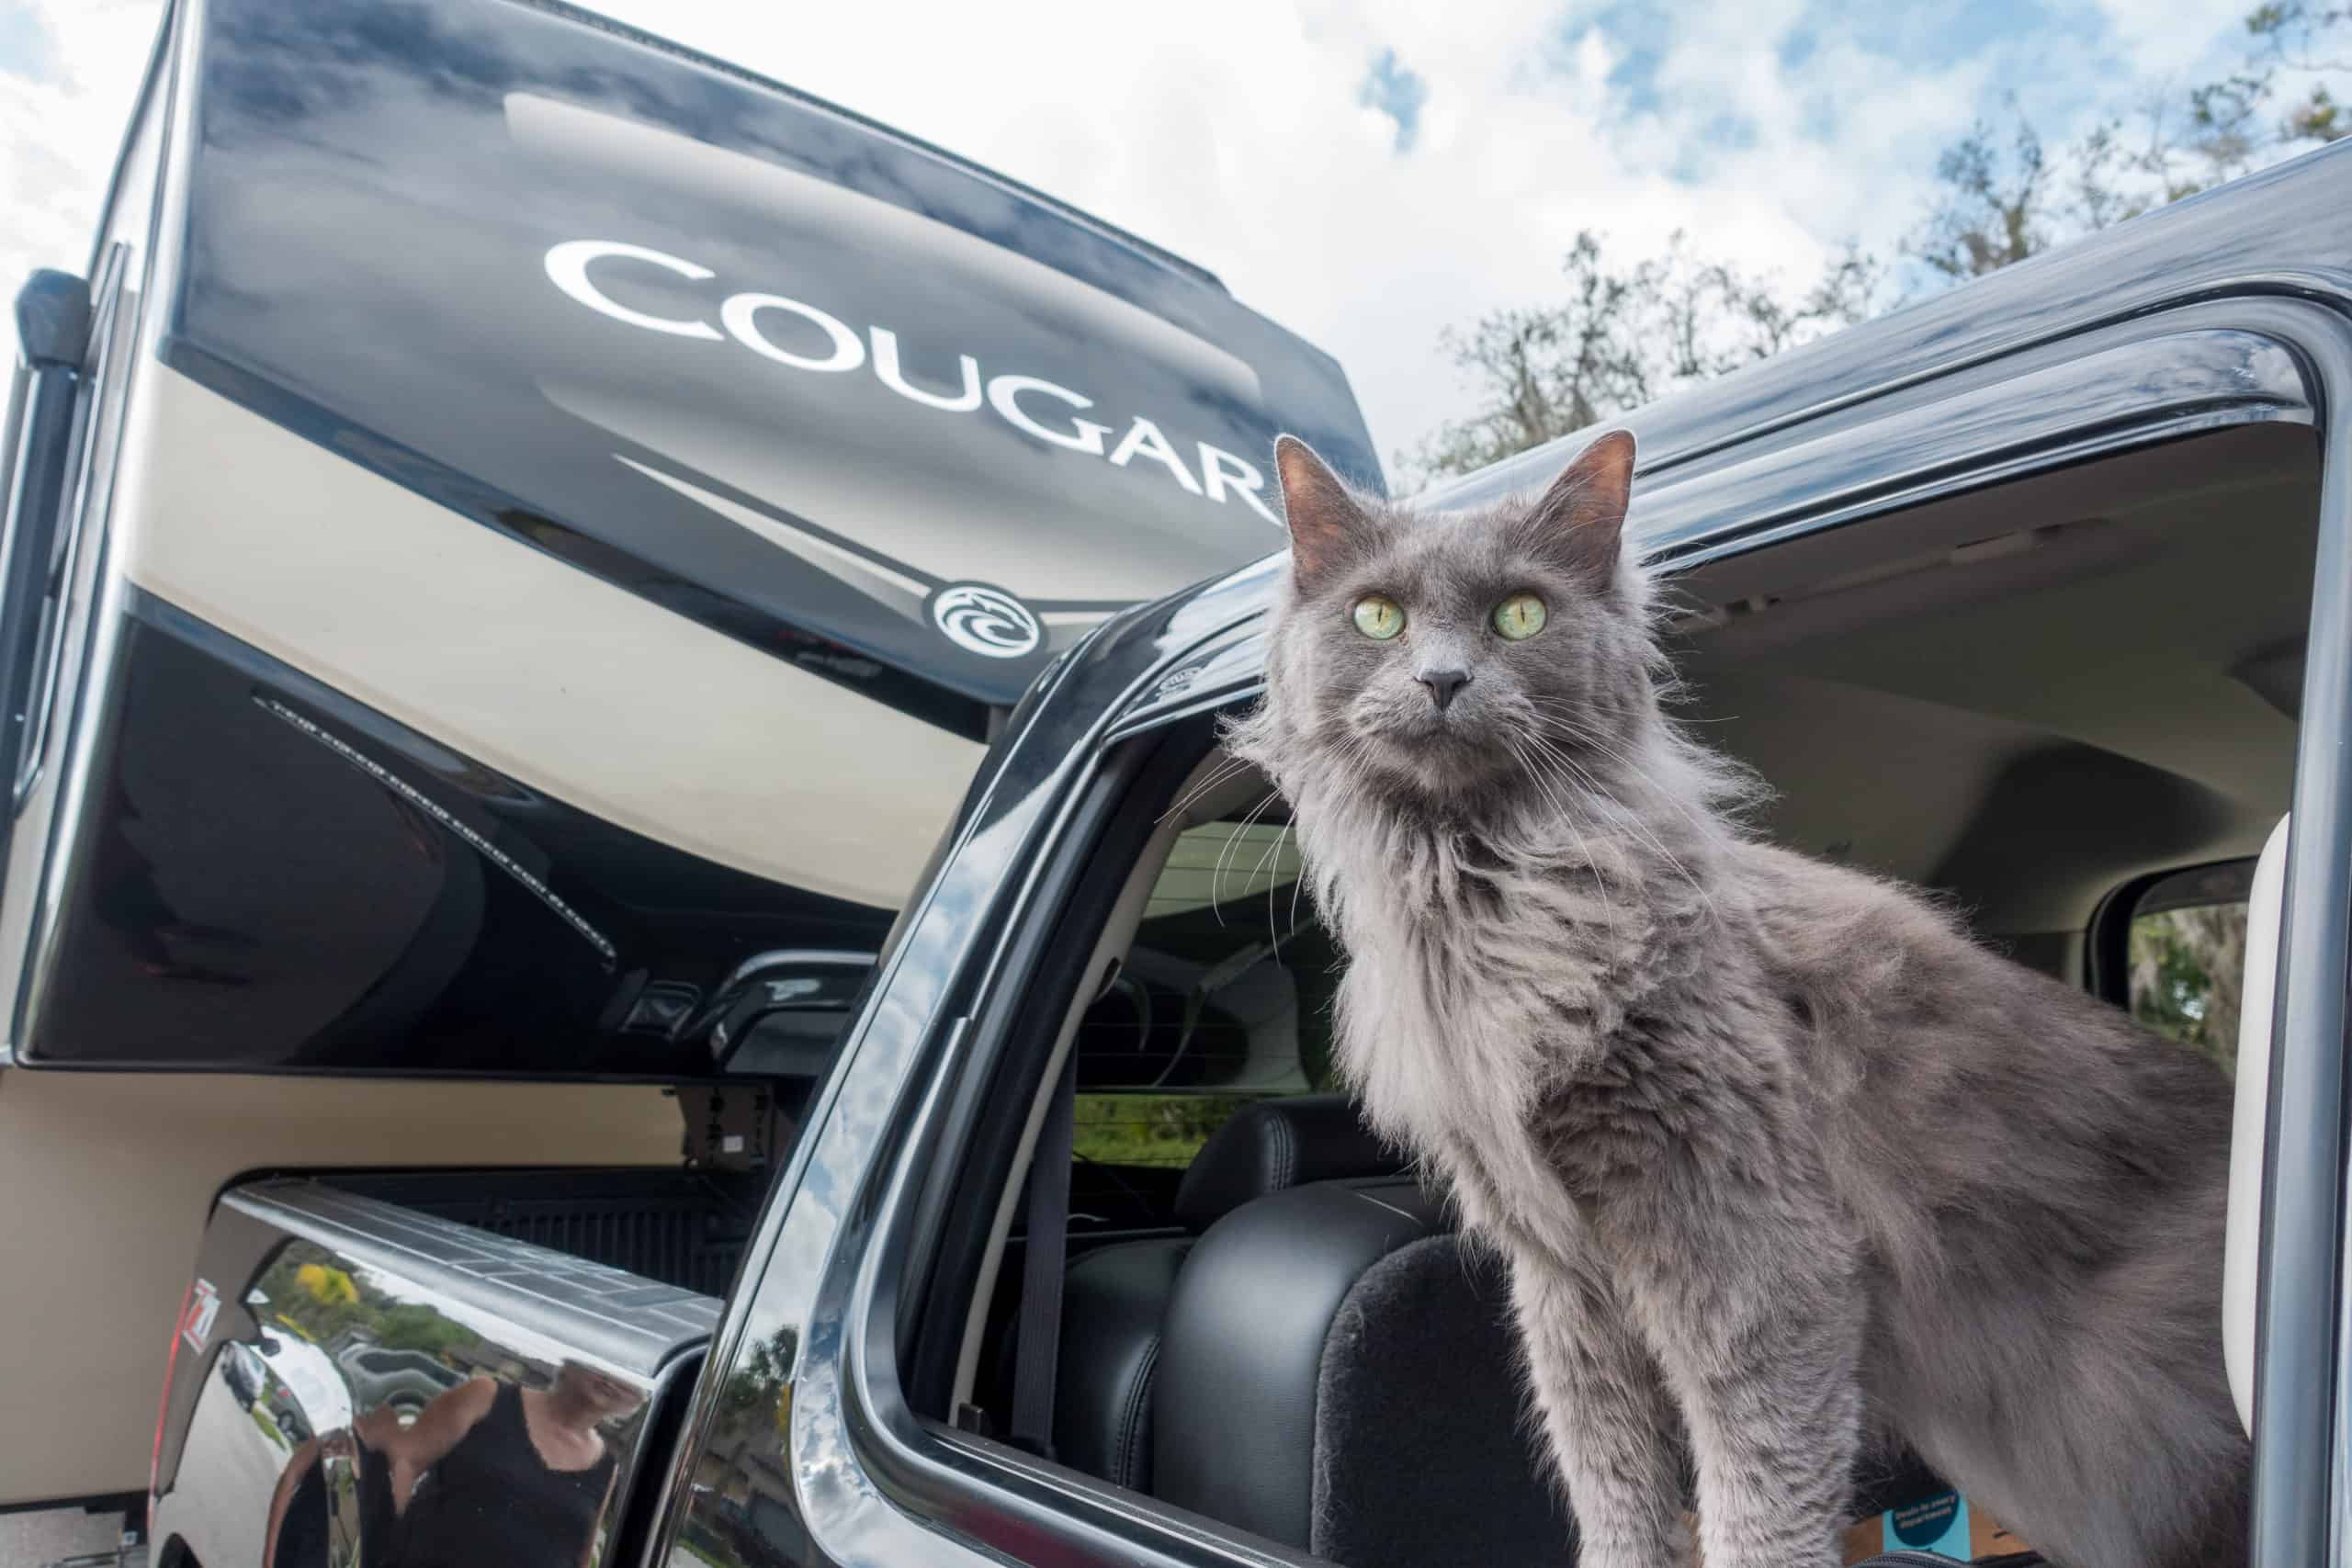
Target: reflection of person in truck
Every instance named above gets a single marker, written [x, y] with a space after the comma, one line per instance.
[496, 1475]
[487, 1474]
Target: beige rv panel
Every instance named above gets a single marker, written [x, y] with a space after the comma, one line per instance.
[105, 1180]
[409, 607]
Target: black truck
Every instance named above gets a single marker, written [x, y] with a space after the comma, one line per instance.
[465, 782]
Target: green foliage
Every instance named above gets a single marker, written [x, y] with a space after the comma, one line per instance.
[1147, 1128]
[411, 1326]
[760, 1392]
[2187, 974]
[268, 1426]
[1994, 210]
[708, 1547]
[322, 1303]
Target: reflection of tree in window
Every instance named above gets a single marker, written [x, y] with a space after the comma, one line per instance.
[2187, 976]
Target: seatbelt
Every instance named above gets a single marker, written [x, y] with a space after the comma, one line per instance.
[1037, 1350]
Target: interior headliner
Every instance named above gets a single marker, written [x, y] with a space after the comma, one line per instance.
[2029, 696]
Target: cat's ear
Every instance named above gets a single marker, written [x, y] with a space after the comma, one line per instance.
[1322, 516]
[1581, 519]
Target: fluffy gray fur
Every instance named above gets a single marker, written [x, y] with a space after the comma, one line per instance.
[1783, 1163]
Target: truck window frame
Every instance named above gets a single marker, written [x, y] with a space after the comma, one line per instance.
[833, 1267]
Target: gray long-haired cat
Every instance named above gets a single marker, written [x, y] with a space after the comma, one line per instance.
[1782, 1161]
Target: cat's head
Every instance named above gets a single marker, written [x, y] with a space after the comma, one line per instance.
[1449, 657]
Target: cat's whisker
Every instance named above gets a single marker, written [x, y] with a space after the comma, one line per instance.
[1230, 768]
[1599, 873]
[1618, 755]
[1533, 763]
[1565, 719]
[1216, 879]
[1544, 780]
[1274, 931]
[1606, 800]
[1271, 858]
[1633, 820]
[1297, 883]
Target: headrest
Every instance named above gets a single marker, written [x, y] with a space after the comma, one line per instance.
[1270, 1145]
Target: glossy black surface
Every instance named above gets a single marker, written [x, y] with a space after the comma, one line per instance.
[270, 876]
[374, 209]
[2181, 320]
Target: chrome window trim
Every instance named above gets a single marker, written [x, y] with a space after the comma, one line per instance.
[861, 1455]
[2100, 379]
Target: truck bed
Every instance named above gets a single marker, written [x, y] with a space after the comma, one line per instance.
[685, 1228]
[328, 1313]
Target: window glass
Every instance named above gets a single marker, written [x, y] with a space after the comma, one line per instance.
[2187, 958]
[1224, 998]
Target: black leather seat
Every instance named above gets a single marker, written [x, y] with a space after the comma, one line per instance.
[1337, 1372]
[1115, 1297]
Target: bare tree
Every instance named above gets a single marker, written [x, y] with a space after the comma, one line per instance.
[1999, 204]
[1623, 335]
[1994, 209]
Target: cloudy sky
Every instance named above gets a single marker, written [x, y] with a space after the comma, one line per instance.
[1363, 171]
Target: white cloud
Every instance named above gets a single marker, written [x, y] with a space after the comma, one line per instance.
[2173, 37]
[59, 133]
[1233, 132]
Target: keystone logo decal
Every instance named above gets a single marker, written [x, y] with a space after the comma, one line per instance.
[983, 620]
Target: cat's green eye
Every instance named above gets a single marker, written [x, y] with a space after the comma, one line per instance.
[1518, 617]
[1379, 618]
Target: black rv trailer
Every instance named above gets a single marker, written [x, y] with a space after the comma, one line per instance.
[517, 545]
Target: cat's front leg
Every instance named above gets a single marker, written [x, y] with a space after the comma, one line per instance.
[1760, 1344]
[1605, 1412]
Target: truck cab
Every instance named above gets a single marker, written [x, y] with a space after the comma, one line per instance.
[2034, 594]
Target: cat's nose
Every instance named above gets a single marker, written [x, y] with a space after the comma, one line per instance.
[1442, 684]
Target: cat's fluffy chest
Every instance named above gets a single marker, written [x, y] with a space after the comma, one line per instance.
[1457, 1015]
[1522, 1048]
[1420, 1037]
[1448, 1086]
